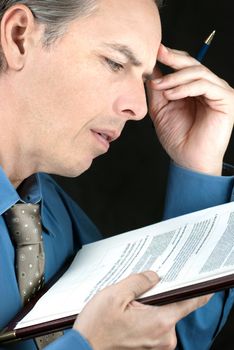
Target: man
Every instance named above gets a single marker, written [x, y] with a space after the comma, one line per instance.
[72, 74]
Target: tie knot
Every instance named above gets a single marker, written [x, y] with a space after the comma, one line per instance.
[24, 223]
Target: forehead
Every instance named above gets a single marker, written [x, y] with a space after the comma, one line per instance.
[128, 17]
[133, 23]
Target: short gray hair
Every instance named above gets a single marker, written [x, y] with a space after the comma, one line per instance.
[54, 14]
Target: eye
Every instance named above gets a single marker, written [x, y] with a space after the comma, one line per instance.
[115, 67]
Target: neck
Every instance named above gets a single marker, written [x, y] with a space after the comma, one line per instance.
[16, 167]
[16, 156]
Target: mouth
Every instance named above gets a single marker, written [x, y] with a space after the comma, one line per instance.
[105, 136]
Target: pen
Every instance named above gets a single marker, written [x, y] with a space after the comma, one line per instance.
[205, 46]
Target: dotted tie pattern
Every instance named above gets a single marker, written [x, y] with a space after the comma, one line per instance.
[24, 225]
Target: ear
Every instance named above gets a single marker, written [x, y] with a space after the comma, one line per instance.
[17, 29]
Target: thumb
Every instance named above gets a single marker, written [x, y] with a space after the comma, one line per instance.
[135, 285]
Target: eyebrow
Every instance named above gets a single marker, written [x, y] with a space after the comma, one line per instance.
[129, 54]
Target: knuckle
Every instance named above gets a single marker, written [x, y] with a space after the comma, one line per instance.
[136, 283]
[185, 53]
[181, 89]
[203, 69]
[205, 83]
[142, 276]
[171, 345]
[225, 83]
[141, 279]
[164, 325]
[171, 342]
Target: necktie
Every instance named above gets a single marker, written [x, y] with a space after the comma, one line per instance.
[24, 225]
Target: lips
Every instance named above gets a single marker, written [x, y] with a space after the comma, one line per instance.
[104, 137]
[102, 140]
[108, 135]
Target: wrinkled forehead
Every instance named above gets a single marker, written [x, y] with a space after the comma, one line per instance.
[132, 23]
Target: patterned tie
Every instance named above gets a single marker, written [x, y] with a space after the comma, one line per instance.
[24, 225]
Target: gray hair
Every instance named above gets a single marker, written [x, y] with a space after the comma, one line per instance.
[54, 14]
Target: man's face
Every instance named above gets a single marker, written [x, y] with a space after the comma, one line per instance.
[82, 90]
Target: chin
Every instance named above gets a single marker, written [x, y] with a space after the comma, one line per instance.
[75, 170]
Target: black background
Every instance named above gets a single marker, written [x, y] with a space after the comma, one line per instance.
[125, 188]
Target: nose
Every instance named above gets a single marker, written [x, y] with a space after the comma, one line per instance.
[131, 103]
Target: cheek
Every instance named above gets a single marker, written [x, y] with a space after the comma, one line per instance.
[86, 103]
[68, 97]
[78, 98]
[86, 88]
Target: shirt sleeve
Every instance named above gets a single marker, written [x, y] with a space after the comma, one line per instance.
[190, 191]
[71, 340]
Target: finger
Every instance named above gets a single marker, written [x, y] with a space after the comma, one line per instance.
[156, 98]
[179, 52]
[174, 59]
[167, 341]
[177, 311]
[185, 76]
[133, 286]
[157, 74]
[201, 87]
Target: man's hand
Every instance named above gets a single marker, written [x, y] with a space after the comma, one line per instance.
[193, 112]
[114, 320]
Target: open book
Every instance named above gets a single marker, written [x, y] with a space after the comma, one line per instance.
[193, 254]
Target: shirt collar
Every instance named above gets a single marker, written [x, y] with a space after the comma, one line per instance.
[28, 191]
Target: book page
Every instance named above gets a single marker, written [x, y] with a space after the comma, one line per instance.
[183, 251]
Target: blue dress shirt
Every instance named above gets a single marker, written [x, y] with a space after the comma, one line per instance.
[66, 228]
